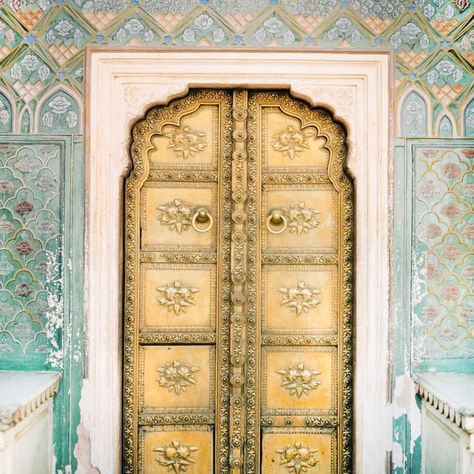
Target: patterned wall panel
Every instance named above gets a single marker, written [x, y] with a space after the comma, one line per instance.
[31, 202]
[443, 263]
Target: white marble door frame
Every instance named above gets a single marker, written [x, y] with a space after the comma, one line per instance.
[120, 86]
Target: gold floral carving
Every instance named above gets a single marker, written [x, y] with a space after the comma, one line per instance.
[175, 456]
[177, 376]
[291, 141]
[300, 298]
[299, 380]
[186, 142]
[298, 458]
[176, 297]
[177, 215]
[300, 218]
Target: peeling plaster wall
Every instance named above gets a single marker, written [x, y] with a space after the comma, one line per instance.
[41, 253]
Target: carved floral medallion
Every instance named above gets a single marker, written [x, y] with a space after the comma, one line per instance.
[300, 298]
[299, 380]
[177, 457]
[177, 376]
[176, 214]
[300, 218]
[176, 297]
[186, 142]
[291, 141]
[298, 458]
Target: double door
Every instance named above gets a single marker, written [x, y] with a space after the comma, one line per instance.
[237, 288]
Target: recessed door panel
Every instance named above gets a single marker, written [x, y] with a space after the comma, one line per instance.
[299, 380]
[177, 378]
[307, 219]
[171, 218]
[178, 297]
[237, 288]
[165, 449]
[299, 299]
[292, 450]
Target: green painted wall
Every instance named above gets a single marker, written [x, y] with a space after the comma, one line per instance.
[41, 165]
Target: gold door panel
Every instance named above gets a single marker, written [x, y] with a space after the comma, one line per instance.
[309, 219]
[171, 213]
[299, 299]
[287, 146]
[237, 288]
[177, 379]
[190, 141]
[299, 380]
[179, 297]
[303, 450]
[166, 449]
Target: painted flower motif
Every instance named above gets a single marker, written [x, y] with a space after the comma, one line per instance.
[273, 25]
[133, 26]
[433, 231]
[176, 297]
[468, 190]
[23, 207]
[23, 290]
[6, 227]
[297, 458]
[63, 28]
[432, 270]
[218, 35]
[16, 72]
[452, 252]
[30, 62]
[468, 231]
[121, 35]
[10, 36]
[48, 119]
[444, 70]
[71, 119]
[176, 376]
[5, 187]
[59, 104]
[4, 116]
[261, 35]
[175, 456]
[148, 36]
[5, 266]
[288, 38]
[300, 298]
[448, 334]
[451, 210]
[23, 248]
[468, 272]
[203, 22]
[468, 314]
[429, 189]
[45, 183]
[45, 228]
[429, 153]
[451, 170]
[299, 380]
[451, 293]
[470, 152]
[431, 313]
[42, 268]
[189, 35]
[43, 72]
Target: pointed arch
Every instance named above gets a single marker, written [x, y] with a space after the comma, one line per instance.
[414, 114]
[25, 122]
[59, 112]
[445, 126]
[468, 118]
[7, 112]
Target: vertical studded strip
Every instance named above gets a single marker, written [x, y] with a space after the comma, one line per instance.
[238, 272]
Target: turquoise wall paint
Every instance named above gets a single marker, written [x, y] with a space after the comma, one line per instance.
[41, 86]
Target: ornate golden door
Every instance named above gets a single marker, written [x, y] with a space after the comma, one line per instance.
[237, 294]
